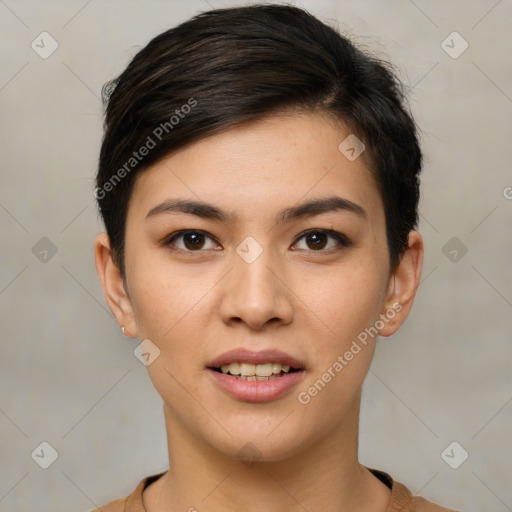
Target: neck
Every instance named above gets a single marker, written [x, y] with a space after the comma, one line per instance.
[324, 476]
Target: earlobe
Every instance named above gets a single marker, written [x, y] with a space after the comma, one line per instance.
[113, 286]
[403, 285]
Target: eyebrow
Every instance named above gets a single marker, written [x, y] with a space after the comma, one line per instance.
[307, 209]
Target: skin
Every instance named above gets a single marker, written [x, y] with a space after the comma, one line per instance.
[308, 302]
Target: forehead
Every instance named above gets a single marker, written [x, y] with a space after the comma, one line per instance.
[254, 170]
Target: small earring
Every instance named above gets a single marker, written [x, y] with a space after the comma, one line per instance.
[122, 329]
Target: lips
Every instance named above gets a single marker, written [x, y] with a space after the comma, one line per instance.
[256, 388]
[241, 355]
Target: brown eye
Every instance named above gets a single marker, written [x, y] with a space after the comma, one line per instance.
[190, 241]
[193, 240]
[318, 239]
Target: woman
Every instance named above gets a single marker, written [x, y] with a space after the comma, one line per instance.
[259, 184]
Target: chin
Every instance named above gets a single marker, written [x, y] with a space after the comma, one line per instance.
[259, 443]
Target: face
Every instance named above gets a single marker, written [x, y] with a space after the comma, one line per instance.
[287, 266]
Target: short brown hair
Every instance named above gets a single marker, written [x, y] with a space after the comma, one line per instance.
[229, 66]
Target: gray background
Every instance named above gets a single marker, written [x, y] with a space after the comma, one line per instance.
[68, 376]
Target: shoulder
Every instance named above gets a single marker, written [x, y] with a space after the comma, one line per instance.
[133, 502]
[402, 499]
[420, 504]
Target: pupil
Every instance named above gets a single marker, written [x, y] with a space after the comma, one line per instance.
[317, 243]
[193, 240]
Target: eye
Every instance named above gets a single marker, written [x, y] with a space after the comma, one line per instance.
[193, 240]
[318, 239]
[190, 240]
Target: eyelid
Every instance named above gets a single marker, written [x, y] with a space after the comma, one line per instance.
[341, 238]
[168, 240]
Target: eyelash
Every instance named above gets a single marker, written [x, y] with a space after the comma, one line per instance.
[342, 239]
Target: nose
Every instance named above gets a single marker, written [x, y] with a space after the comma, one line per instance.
[256, 293]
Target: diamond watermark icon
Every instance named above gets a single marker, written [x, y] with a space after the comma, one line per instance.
[146, 352]
[44, 250]
[249, 454]
[454, 45]
[44, 45]
[454, 455]
[44, 455]
[454, 249]
[249, 250]
[351, 147]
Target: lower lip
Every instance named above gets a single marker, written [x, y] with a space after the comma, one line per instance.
[256, 390]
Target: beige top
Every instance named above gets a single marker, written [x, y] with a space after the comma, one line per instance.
[401, 500]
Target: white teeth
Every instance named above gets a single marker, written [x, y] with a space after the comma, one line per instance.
[247, 369]
[234, 368]
[264, 370]
[254, 377]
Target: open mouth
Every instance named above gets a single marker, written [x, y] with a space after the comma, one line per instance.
[256, 372]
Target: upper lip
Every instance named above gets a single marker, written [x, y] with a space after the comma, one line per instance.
[243, 355]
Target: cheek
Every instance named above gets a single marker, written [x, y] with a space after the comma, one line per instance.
[170, 308]
[341, 314]
[344, 308]
[343, 301]
[164, 296]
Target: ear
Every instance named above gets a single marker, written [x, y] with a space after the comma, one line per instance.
[403, 284]
[113, 286]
